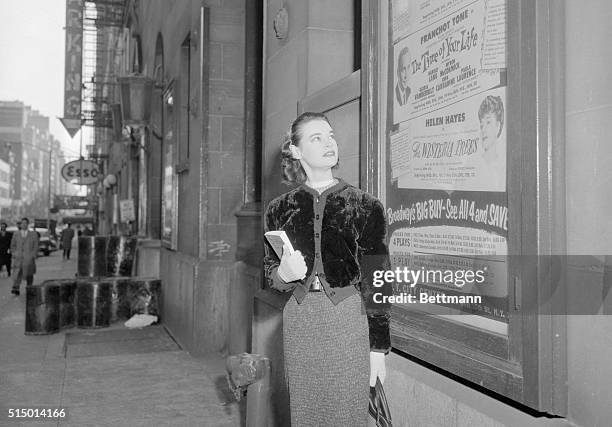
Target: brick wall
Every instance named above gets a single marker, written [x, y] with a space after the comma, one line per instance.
[197, 276]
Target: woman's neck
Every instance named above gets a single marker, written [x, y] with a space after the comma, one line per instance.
[318, 178]
[319, 184]
[323, 186]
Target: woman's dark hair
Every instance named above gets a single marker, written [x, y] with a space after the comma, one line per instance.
[493, 105]
[291, 168]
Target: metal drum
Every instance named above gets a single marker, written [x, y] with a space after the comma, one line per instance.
[120, 254]
[67, 308]
[120, 303]
[93, 303]
[42, 308]
[92, 256]
[145, 296]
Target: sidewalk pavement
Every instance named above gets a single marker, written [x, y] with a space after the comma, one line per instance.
[105, 377]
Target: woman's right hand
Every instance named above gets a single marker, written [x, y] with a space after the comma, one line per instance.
[292, 266]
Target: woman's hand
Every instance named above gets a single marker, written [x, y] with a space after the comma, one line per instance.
[292, 266]
[377, 367]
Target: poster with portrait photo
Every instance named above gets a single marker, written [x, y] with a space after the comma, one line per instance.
[446, 190]
[461, 147]
[442, 62]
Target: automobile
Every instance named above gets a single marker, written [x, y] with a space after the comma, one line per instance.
[46, 242]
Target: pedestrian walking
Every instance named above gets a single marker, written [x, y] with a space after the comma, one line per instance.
[338, 233]
[5, 248]
[24, 248]
[67, 236]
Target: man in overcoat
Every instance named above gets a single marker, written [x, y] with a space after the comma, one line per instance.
[24, 248]
[67, 236]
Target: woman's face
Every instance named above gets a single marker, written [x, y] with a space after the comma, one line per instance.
[489, 129]
[317, 147]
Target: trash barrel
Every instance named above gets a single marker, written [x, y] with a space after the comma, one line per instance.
[93, 303]
[42, 308]
[120, 303]
[145, 296]
[92, 256]
[67, 309]
[120, 254]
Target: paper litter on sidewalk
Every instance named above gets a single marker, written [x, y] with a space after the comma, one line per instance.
[140, 321]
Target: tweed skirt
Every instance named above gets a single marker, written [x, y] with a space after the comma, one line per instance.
[327, 361]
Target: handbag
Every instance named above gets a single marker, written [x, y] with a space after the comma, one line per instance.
[378, 407]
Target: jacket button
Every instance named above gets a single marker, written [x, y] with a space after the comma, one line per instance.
[317, 235]
[332, 293]
[318, 255]
[317, 216]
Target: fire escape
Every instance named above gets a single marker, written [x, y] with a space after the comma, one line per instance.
[102, 29]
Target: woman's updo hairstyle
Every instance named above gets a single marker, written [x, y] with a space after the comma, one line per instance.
[493, 105]
[292, 170]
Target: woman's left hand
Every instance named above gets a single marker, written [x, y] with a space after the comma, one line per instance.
[377, 367]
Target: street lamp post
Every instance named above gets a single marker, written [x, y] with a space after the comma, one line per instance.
[49, 195]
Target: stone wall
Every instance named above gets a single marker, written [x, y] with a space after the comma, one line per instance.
[197, 277]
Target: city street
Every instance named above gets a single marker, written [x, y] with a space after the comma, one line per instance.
[105, 377]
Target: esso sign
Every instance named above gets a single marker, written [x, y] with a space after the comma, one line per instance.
[81, 172]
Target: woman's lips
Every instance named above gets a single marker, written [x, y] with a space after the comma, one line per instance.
[329, 154]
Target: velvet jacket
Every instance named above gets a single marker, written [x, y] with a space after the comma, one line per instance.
[342, 235]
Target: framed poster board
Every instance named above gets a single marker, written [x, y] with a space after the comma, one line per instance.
[456, 130]
[169, 177]
[446, 185]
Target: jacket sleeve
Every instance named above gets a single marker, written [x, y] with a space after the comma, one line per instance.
[271, 260]
[374, 256]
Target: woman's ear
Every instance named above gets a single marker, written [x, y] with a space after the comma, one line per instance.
[295, 152]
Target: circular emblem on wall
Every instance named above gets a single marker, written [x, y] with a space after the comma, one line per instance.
[81, 172]
[281, 24]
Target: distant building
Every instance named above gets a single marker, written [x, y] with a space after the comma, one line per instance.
[34, 158]
[5, 187]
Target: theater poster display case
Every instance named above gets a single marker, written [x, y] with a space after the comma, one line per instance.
[464, 138]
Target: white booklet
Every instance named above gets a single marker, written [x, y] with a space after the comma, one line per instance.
[277, 240]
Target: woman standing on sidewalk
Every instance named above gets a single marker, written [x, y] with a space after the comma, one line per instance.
[331, 349]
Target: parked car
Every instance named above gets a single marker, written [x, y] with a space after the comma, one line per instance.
[46, 242]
